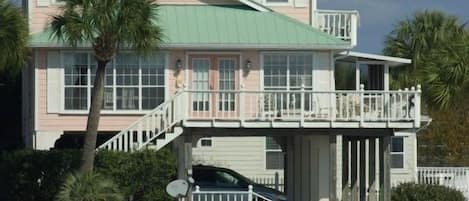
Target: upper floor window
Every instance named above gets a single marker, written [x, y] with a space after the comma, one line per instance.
[397, 152]
[288, 71]
[131, 82]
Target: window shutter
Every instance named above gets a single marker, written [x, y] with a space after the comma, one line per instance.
[301, 3]
[43, 2]
[54, 77]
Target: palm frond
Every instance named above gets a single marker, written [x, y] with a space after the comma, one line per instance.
[13, 36]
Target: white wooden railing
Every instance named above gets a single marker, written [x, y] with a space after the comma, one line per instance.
[341, 24]
[300, 106]
[307, 106]
[145, 130]
[275, 181]
[248, 195]
[454, 177]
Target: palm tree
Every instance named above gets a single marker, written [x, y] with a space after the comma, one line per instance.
[106, 25]
[13, 36]
[415, 37]
[446, 72]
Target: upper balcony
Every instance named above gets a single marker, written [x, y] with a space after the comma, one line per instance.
[339, 23]
[301, 108]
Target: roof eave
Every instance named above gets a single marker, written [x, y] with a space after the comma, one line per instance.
[221, 46]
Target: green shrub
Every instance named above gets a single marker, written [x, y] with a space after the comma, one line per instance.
[89, 187]
[29, 175]
[142, 175]
[425, 192]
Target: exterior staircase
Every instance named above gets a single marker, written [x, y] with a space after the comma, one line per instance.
[154, 130]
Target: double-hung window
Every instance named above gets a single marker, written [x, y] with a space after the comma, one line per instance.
[132, 82]
[287, 72]
[397, 152]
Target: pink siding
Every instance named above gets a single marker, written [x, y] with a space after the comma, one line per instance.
[113, 122]
[40, 16]
[198, 2]
[251, 79]
[301, 14]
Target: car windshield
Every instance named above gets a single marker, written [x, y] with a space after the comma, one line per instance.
[220, 178]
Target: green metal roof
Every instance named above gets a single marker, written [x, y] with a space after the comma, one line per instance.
[233, 26]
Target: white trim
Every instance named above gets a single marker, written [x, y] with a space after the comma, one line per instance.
[114, 110]
[273, 4]
[404, 166]
[271, 150]
[392, 61]
[221, 46]
[286, 53]
[254, 5]
[36, 94]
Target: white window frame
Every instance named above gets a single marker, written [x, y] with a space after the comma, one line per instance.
[166, 73]
[288, 54]
[199, 143]
[288, 3]
[399, 153]
[266, 150]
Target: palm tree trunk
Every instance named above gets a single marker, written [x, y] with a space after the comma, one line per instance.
[87, 160]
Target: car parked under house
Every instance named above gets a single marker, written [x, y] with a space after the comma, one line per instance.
[237, 68]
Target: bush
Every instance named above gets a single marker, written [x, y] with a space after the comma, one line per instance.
[89, 187]
[141, 175]
[29, 175]
[425, 192]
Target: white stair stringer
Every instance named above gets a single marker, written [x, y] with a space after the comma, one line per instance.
[145, 131]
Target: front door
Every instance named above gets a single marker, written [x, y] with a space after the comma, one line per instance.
[213, 80]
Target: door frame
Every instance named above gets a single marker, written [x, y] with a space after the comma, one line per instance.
[214, 57]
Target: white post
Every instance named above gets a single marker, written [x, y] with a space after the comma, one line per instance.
[186, 103]
[367, 168]
[377, 173]
[417, 99]
[241, 104]
[302, 106]
[362, 103]
[250, 196]
[354, 29]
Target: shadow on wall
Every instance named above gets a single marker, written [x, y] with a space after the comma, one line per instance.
[75, 139]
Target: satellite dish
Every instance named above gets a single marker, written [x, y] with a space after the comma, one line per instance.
[178, 188]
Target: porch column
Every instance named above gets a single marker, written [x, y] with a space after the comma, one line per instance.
[335, 189]
[184, 155]
[386, 168]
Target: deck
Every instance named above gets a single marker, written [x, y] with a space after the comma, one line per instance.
[303, 109]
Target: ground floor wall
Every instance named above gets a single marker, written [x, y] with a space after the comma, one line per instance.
[408, 173]
[247, 155]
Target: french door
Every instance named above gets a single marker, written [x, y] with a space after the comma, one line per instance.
[213, 80]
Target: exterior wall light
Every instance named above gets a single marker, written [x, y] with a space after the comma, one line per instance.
[247, 66]
[178, 65]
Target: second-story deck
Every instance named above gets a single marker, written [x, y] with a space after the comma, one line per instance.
[342, 24]
[301, 109]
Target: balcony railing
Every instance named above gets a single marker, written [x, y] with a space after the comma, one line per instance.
[341, 24]
[305, 106]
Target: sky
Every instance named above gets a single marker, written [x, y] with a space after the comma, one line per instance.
[377, 17]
